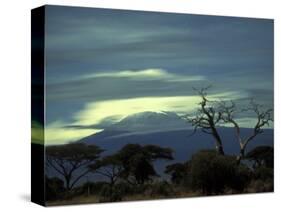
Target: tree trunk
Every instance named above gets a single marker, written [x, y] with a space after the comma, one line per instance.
[219, 146]
[67, 182]
[220, 150]
[112, 183]
[241, 155]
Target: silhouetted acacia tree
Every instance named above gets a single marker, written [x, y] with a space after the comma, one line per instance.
[138, 161]
[110, 167]
[207, 118]
[263, 118]
[71, 161]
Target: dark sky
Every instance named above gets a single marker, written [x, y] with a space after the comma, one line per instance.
[97, 59]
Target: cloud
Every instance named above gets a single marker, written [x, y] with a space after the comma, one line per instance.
[37, 133]
[124, 84]
[95, 114]
[57, 133]
[146, 74]
[186, 50]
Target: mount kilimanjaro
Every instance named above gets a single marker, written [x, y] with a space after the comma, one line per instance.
[167, 129]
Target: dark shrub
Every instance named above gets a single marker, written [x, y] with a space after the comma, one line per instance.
[261, 186]
[240, 179]
[54, 188]
[114, 193]
[263, 173]
[261, 156]
[213, 174]
[178, 172]
[107, 194]
[163, 189]
[90, 188]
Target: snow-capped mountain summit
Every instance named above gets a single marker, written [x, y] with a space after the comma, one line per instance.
[149, 121]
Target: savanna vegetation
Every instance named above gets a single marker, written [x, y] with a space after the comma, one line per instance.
[130, 173]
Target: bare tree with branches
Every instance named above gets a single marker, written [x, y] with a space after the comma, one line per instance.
[207, 118]
[263, 118]
[71, 161]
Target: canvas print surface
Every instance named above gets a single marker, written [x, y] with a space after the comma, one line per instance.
[133, 105]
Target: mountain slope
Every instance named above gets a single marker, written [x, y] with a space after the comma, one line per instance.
[183, 145]
[167, 129]
[180, 141]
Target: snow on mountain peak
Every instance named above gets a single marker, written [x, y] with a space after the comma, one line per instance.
[150, 121]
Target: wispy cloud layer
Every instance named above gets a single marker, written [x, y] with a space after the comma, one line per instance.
[94, 113]
[57, 133]
[37, 132]
[122, 84]
[147, 74]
